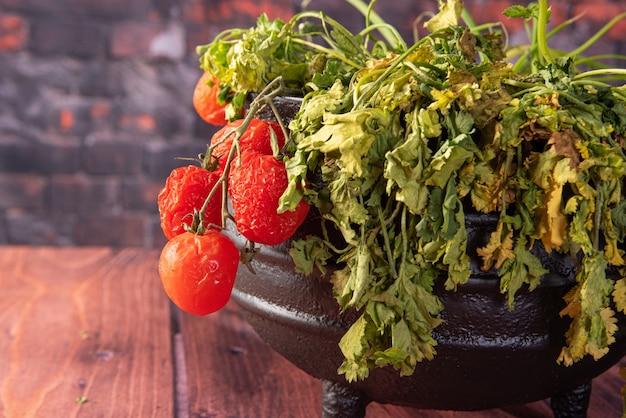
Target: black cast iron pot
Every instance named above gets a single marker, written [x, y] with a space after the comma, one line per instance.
[487, 356]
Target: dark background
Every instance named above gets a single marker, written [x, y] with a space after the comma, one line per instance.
[95, 101]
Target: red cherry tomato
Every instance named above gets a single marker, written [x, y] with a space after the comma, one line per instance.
[198, 271]
[206, 102]
[256, 138]
[255, 188]
[185, 190]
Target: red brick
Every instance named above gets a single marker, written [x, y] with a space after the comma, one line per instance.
[559, 13]
[200, 35]
[594, 18]
[109, 9]
[156, 239]
[37, 228]
[194, 11]
[140, 194]
[100, 114]
[72, 119]
[161, 158]
[101, 110]
[32, 6]
[492, 13]
[137, 123]
[61, 37]
[22, 191]
[13, 33]
[245, 12]
[107, 156]
[154, 16]
[83, 195]
[16, 155]
[592, 3]
[99, 79]
[130, 39]
[4, 235]
[598, 13]
[616, 33]
[56, 155]
[66, 120]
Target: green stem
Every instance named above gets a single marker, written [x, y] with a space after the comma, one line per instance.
[405, 237]
[590, 83]
[468, 19]
[542, 39]
[389, 34]
[273, 89]
[388, 249]
[342, 33]
[283, 128]
[400, 44]
[602, 72]
[328, 51]
[576, 101]
[619, 92]
[598, 218]
[507, 165]
[526, 52]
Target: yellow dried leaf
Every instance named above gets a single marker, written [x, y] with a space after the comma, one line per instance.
[619, 295]
[596, 350]
[577, 342]
[572, 298]
[563, 173]
[610, 323]
[565, 357]
[552, 225]
[498, 249]
[486, 197]
[614, 254]
[572, 205]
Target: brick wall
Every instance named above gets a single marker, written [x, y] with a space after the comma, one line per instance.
[95, 103]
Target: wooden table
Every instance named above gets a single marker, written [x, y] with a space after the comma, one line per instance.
[88, 332]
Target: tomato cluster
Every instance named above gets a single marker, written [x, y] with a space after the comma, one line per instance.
[199, 263]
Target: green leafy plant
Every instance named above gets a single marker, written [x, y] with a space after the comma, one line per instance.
[395, 143]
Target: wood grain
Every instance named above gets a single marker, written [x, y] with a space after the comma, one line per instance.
[95, 323]
[90, 323]
[232, 373]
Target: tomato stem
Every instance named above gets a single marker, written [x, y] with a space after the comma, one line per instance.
[275, 88]
[246, 254]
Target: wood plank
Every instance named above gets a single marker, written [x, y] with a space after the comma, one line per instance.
[83, 322]
[606, 400]
[231, 372]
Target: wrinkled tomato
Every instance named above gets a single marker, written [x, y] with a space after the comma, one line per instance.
[185, 191]
[255, 188]
[256, 138]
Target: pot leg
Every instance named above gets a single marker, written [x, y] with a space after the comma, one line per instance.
[342, 401]
[572, 404]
